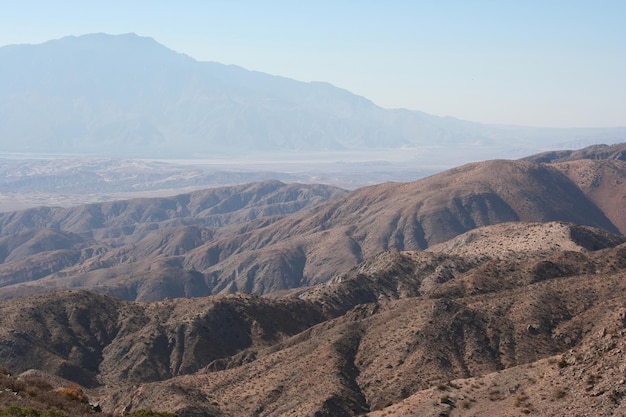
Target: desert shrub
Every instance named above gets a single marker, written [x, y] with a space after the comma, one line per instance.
[495, 395]
[38, 382]
[466, 404]
[14, 385]
[447, 400]
[558, 393]
[73, 392]
[148, 413]
[15, 411]
[54, 413]
[33, 395]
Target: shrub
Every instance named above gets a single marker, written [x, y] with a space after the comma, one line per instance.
[37, 382]
[148, 413]
[447, 400]
[54, 413]
[15, 411]
[558, 393]
[73, 392]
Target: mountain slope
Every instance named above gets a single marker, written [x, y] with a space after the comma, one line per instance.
[604, 182]
[599, 171]
[385, 332]
[215, 207]
[345, 231]
[613, 152]
[244, 239]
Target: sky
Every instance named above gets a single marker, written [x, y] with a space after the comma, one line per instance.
[552, 63]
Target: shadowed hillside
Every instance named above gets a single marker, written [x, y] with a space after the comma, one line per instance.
[451, 324]
[268, 237]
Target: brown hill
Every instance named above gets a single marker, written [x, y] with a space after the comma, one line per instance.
[399, 326]
[412, 216]
[604, 182]
[210, 208]
[613, 152]
[95, 339]
[599, 171]
[514, 241]
[174, 253]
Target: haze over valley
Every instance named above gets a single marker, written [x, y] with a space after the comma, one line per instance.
[87, 104]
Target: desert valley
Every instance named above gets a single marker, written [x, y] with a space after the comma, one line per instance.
[494, 288]
[187, 238]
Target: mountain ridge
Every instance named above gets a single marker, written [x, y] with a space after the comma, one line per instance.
[129, 95]
[516, 279]
[268, 237]
[346, 348]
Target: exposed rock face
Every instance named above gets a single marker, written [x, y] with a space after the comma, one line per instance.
[95, 339]
[391, 332]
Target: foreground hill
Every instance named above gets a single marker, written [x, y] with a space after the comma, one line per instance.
[269, 237]
[391, 334]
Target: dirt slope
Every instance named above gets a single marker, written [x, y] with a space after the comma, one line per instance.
[391, 332]
[604, 182]
[269, 237]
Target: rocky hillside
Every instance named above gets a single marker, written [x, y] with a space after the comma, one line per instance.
[129, 220]
[268, 237]
[613, 152]
[449, 331]
[599, 171]
[604, 182]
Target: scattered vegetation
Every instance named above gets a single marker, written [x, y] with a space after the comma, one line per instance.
[558, 393]
[446, 399]
[466, 404]
[73, 392]
[15, 411]
[148, 413]
[495, 395]
[36, 397]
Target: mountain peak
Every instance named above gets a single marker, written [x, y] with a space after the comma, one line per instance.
[100, 92]
[104, 42]
[104, 37]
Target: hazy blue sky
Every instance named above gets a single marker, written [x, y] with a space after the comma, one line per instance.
[544, 63]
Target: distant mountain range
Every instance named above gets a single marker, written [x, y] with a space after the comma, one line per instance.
[128, 95]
